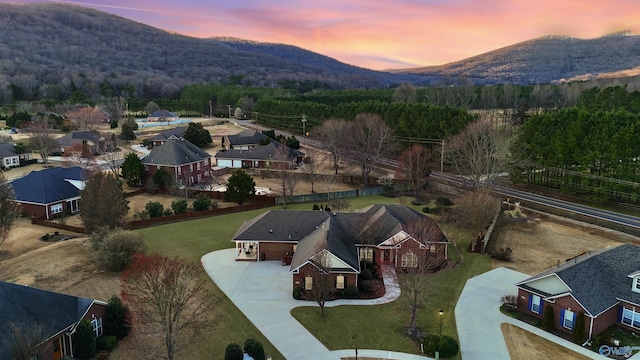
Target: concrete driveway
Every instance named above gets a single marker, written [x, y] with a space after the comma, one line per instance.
[478, 318]
[263, 292]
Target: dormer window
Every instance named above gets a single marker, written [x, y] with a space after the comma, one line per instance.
[635, 283]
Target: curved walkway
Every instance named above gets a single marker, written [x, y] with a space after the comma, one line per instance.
[262, 291]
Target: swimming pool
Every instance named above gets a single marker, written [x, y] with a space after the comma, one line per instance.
[143, 123]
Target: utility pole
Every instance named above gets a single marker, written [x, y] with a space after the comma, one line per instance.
[442, 157]
[229, 111]
[304, 129]
[210, 110]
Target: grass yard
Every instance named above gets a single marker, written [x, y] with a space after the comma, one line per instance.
[380, 327]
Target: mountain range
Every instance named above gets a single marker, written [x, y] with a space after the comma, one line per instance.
[50, 48]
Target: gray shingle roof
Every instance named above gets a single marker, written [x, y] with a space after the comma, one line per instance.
[26, 305]
[6, 150]
[247, 137]
[340, 231]
[262, 152]
[175, 152]
[48, 186]
[163, 114]
[77, 137]
[164, 135]
[599, 279]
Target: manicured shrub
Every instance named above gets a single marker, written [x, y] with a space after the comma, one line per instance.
[366, 274]
[352, 292]
[504, 254]
[167, 212]
[154, 209]
[84, 341]
[315, 207]
[201, 203]
[327, 208]
[254, 349]
[297, 292]
[579, 334]
[116, 318]
[509, 300]
[365, 286]
[430, 344]
[548, 319]
[443, 201]
[106, 342]
[426, 210]
[447, 347]
[179, 207]
[117, 249]
[233, 352]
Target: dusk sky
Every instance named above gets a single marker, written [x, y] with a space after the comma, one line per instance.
[383, 34]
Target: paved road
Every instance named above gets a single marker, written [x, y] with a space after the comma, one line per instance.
[610, 216]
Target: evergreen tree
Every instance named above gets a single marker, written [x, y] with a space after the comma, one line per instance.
[132, 169]
[84, 341]
[116, 319]
[104, 203]
[233, 352]
[548, 319]
[579, 332]
[239, 187]
[198, 135]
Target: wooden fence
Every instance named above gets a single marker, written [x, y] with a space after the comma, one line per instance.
[53, 224]
[328, 196]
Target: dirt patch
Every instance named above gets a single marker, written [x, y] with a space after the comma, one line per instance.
[523, 345]
[540, 242]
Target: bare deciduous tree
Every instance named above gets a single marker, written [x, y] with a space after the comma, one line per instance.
[104, 203]
[475, 210]
[169, 303]
[415, 165]
[288, 180]
[368, 140]
[478, 154]
[113, 161]
[85, 118]
[405, 93]
[26, 340]
[415, 280]
[332, 133]
[9, 209]
[42, 137]
[312, 164]
[323, 282]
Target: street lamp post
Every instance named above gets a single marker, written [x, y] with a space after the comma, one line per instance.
[441, 313]
[304, 131]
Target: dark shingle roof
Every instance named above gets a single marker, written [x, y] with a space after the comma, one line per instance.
[164, 135]
[599, 279]
[281, 225]
[79, 136]
[48, 185]
[6, 150]
[247, 137]
[163, 114]
[384, 221]
[175, 152]
[26, 305]
[262, 152]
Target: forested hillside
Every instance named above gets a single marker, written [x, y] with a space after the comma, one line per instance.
[51, 50]
[545, 60]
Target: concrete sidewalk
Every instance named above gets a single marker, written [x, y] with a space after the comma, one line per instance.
[263, 292]
[478, 318]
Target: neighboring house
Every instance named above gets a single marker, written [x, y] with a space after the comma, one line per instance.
[46, 193]
[605, 286]
[96, 143]
[385, 234]
[262, 156]
[10, 158]
[160, 139]
[187, 163]
[162, 116]
[244, 140]
[57, 314]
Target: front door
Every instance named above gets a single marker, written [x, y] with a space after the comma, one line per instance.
[387, 256]
[57, 349]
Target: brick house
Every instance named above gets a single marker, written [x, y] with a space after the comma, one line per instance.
[604, 285]
[59, 314]
[245, 140]
[94, 142]
[163, 136]
[263, 156]
[386, 234]
[187, 163]
[49, 192]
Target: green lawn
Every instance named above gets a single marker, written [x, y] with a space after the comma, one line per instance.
[378, 327]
